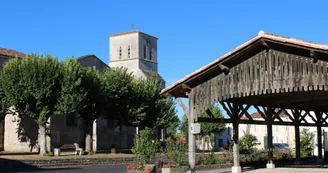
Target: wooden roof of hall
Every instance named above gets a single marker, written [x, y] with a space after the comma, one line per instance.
[237, 55]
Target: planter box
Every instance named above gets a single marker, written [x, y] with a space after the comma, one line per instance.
[173, 170]
[135, 171]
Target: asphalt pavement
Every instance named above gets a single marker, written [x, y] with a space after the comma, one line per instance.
[88, 169]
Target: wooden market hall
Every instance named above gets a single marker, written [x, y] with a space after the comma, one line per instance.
[271, 73]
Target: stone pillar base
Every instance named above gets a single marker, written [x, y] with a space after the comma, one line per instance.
[57, 152]
[270, 166]
[236, 169]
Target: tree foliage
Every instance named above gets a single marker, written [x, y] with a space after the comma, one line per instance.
[32, 86]
[116, 84]
[152, 109]
[145, 147]
[73, 92]
[307, 143]
[81, 93]
[3, 105]
[248, 141]
[212, 128]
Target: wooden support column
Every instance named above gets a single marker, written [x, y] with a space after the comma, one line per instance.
[297, 144]
[269, 114]
[234, 111]
[319, 134]
[191, 137]
[235, 144]
[296, 114]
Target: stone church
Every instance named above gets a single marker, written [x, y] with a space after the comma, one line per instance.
[134, 50]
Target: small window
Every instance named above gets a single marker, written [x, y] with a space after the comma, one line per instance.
[120, 52]
[145, 52]
[129, 51]
[229, 131]
[150, 54]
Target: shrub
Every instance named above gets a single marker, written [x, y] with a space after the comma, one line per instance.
[248, 141]
[307, 144]
[177, 150]
[49, 154]
[145, 148]
[209, 159]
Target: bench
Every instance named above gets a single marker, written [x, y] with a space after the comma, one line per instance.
[69, 147]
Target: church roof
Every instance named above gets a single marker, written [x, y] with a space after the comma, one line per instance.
[11, 53]
[150, 74]
[131, 32]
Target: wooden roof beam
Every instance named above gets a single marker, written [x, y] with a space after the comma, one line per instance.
[225, 69]
[314, 55]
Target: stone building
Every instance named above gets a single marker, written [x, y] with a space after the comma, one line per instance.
[133, 50]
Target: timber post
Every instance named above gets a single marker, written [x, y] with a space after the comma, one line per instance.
[234, 111]
[191, 137]
[269, 114]
[319, 134]
[296, 114]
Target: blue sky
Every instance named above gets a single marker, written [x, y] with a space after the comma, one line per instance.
[191, 33]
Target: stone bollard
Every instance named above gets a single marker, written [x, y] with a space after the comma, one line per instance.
[57, 151]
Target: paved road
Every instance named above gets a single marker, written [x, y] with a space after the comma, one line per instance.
[121, 169]
[93, 169]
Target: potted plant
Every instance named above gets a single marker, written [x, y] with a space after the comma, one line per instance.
[176, 150]
[145, 149]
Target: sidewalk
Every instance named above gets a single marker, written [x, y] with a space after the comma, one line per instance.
[64, 155]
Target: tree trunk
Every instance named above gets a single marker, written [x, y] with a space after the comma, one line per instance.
[42, 138]
[120, 140]
[88, 136]
[203, 142]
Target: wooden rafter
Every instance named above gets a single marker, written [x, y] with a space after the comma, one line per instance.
[261, 113]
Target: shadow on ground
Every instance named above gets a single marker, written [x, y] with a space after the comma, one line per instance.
[305, 163]
[7, 166]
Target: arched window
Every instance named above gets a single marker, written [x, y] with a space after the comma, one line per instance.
[129, 51]
[120, 52]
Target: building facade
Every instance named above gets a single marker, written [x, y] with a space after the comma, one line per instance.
[133, 50]
[281, 134]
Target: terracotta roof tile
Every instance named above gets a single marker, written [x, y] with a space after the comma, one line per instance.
[260, 35]
[11, 53]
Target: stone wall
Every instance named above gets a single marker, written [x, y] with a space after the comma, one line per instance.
[64, 132]
[2, 128]
[20, 134]
[108, 134]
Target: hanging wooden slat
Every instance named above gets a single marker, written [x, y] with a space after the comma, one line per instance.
[290, 73]
[325, 76]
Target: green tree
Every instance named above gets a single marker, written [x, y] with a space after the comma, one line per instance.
[209, 129]
[183, 127]
[248, 141]
[171, 130]
[307, 143]
[81, 93]
[32, 86]
[152, 109]
[3, 105]
[117, 86]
